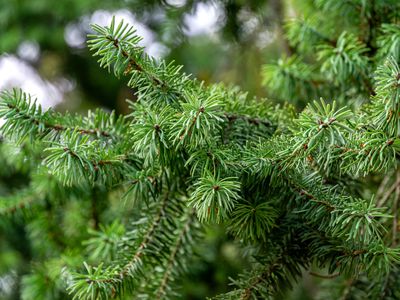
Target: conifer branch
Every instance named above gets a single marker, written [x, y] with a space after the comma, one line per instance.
[165, 82]
[260, 279]
[135, 261]
[24, 116]
[395, 210]
[132, 63]
[172, 259]
[15, 203]
[329, 276]
[255, 121]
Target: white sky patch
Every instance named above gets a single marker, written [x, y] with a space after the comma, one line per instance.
[176, 3]
[265, 38]
[205, 19]
[6, 283]
[15, 73]
[74, 36]
[250, 22]
[29, 50]
[157, 50]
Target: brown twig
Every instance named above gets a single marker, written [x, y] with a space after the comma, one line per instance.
[58, 127]
[387, 195]
[254, 121]
[382, 186]
[327, 276]
[395, 210]
[133, 63]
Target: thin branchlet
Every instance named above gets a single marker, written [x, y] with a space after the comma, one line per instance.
[161, 291]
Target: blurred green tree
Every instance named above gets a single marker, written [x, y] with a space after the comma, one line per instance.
[59, 31]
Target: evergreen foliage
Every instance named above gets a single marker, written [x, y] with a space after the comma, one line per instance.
[315, 191]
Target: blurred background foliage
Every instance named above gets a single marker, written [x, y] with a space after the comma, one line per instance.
[43, 47]
[214, 40]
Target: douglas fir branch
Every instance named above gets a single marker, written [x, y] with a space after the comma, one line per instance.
[304, 193]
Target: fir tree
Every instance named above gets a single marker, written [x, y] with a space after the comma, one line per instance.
[315, 191]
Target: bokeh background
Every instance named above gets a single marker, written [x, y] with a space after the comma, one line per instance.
[43, 50]
[43, 44]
